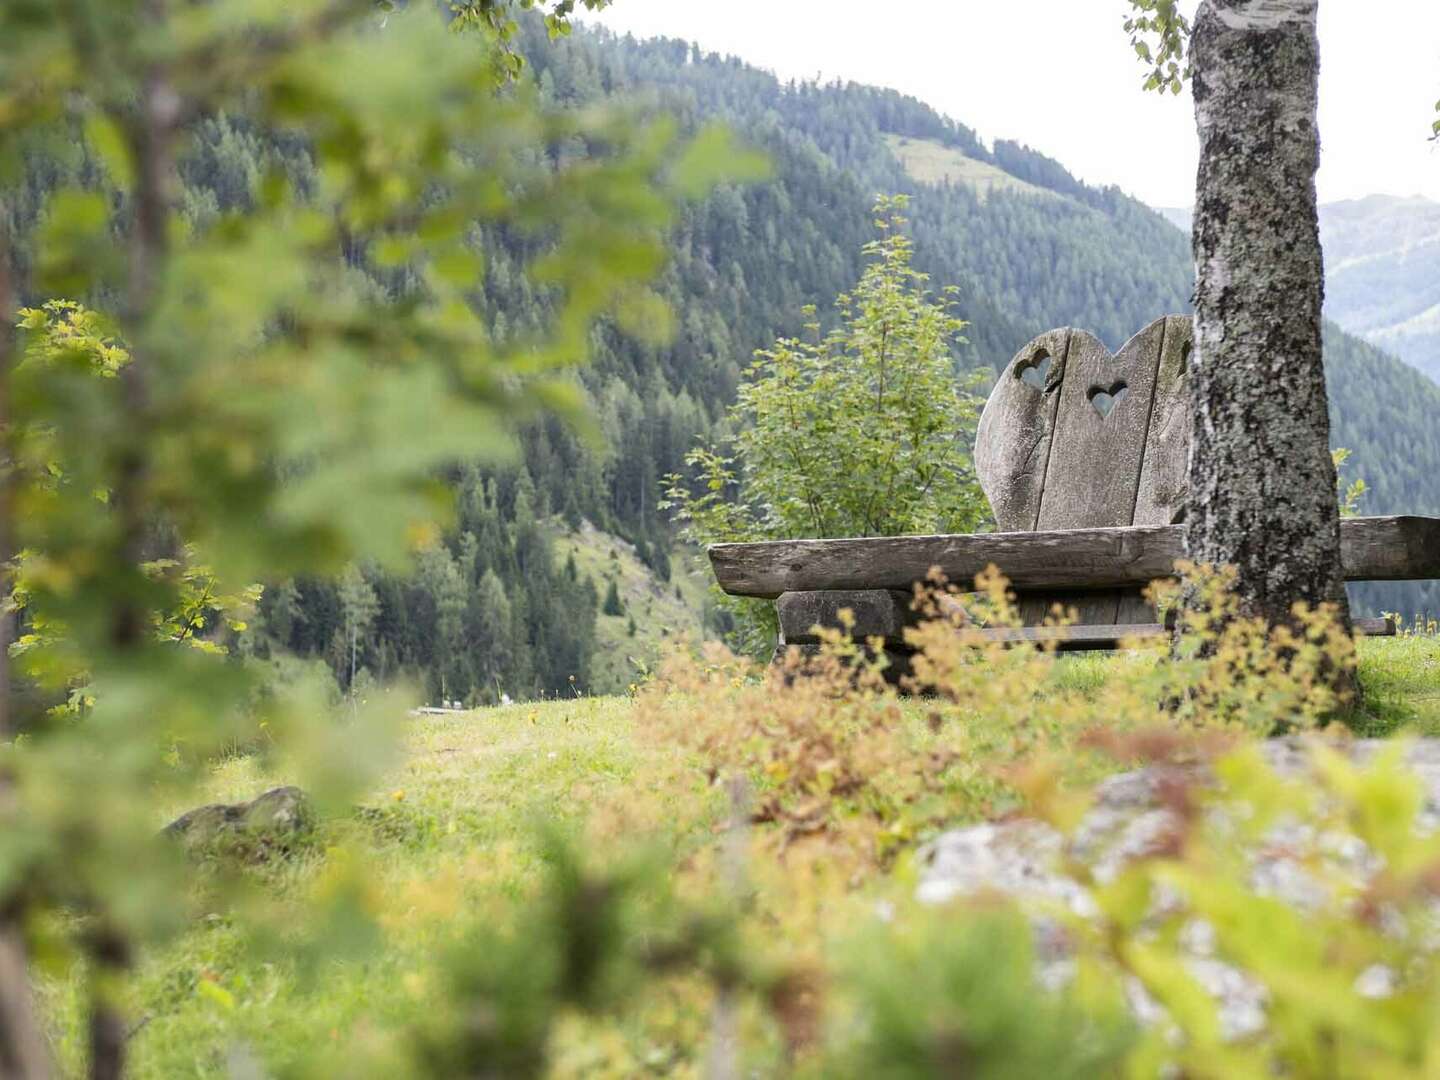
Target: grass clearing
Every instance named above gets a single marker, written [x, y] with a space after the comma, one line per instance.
[450, 841]
[451, 836]
[931, 162]
[1401, 676]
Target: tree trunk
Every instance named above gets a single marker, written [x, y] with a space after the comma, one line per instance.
[23, 1053]
[1262, 483]
[110, 960]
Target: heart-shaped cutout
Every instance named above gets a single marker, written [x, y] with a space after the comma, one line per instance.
[1035, 370]
[1105, 399]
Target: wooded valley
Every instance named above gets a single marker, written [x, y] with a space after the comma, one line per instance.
[492, 611]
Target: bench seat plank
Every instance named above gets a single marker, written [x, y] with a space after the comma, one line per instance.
[1396, 548]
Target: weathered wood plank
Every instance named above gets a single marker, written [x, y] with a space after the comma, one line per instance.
[1372, 548]
[1095, 557]
[1405, 548]
[1100, 432]
[874, 612]
[1164, 484]
[1098, 606]
[1012, 442]
[1160, 496]
[1091, 471]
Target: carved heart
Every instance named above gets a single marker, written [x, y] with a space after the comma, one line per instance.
[1105, 400]
[1035, 370]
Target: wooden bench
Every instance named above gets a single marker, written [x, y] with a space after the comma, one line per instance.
[1083, 457]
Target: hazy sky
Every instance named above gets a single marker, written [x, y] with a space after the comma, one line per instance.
[1060, 75]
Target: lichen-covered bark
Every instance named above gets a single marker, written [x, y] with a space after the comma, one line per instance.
[1262, 485]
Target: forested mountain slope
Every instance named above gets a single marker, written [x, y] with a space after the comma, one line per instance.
[1040, 251]
[1382, 273]
[496, 609]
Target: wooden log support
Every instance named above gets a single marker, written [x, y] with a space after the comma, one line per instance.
[1372, 548]
[878, 613]
[897, 660]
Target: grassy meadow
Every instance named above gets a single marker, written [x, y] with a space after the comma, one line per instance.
[453, 842]
[932, 162]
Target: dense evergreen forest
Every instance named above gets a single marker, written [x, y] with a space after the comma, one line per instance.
[494, 611]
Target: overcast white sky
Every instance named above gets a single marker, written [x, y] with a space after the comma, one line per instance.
[1060, 76]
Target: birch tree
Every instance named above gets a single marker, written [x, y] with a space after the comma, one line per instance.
[1262, 482]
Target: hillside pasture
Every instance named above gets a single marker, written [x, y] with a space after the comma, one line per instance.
[930, 162]
[452, 843]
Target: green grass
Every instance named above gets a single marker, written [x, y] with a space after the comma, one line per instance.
[1400, 677]
[931, 162]
[451, 837]
[451, 833]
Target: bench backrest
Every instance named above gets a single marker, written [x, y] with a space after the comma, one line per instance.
[1074, 437]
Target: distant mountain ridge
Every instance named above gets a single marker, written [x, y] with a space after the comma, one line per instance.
[1382, 273]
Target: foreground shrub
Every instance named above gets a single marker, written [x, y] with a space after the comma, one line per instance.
[830, 747]
[1316, 887]
[936, 996]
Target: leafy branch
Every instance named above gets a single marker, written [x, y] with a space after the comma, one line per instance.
[1158, 34]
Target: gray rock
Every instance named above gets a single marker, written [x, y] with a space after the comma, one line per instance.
[1022, 859]
[273, 823]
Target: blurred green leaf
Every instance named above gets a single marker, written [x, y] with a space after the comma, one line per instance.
[108, 142]
[714, 155]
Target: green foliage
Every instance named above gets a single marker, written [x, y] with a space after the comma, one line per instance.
[496, 19]
[262, 408]
[1351, 493]
[1346, 972]
[865, 431]
[862, 431]
[612, 605]
[199, 611]
[939, 992]
[588, 946]
[1158, 33]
